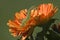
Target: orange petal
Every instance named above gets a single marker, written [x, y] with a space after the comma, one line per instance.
[13, 24]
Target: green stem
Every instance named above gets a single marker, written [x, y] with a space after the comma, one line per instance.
[28, 16]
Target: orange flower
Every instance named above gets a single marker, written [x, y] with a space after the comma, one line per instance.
[40, 15]
[15, 24]
[45, 12]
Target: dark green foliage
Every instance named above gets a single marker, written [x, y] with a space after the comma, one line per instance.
[51, 36]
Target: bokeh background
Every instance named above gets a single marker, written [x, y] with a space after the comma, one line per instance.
[8, 9]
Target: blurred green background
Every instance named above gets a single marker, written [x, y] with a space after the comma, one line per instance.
[8, 9]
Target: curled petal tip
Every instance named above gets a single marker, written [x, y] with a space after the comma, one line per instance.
[14, 35]
[55, 9]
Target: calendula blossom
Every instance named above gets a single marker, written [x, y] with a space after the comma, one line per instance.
[40, 15]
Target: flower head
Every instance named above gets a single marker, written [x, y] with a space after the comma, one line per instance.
[40, 15]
